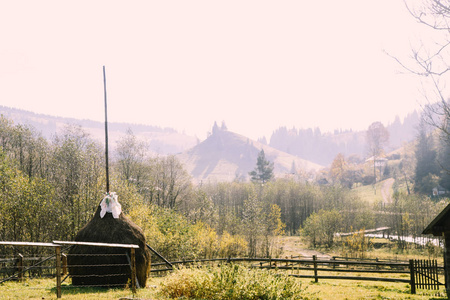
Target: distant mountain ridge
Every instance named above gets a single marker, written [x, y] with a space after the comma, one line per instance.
[227, 156]
[160, 140]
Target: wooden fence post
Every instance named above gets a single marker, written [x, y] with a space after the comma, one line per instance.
[315, 269]
[412, 276]
[19, 266]
[133, 270]
[435, 275]
[58, 271]
[64, 263]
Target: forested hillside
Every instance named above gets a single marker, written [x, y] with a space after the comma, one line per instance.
[159, 140]
[228, 156]
[322, 148]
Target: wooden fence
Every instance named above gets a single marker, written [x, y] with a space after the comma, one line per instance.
[426, 274]
[422, 274]
[61, 260]
[418, 273]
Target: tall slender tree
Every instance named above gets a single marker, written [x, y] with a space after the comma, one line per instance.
[426, 155]
[377, 138]
[263, 171]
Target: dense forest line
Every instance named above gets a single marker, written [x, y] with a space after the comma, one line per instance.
[305, 143]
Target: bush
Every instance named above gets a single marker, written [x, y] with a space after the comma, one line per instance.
[369, 179]
[358, 244]
[230, 282]
[232, 245]
[320, 228]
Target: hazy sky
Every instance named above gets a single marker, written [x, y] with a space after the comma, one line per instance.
[257, 65]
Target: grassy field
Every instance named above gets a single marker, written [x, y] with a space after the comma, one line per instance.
[370, 193]
[324, 289]
[342, 289]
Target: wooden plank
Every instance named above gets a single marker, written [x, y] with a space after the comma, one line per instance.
[421, 284]
[353, 278]
[97, 244]
[336, 270]
[316, 279]
[418, 271]
[28, 244]
[329, 261]
[432, 283]
[133, 271]
[58, 271]
[412, 277]
[436, 277]
[19, 266]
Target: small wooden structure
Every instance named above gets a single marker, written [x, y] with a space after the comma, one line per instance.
[440, 226]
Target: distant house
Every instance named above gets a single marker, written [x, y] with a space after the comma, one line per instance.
[380, 162]
[439, 190]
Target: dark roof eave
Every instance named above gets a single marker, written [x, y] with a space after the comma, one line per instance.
[432, 228]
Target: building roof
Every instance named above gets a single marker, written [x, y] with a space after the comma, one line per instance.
[440, 224]
[377, 158]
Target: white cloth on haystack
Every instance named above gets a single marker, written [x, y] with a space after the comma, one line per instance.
[110, 204]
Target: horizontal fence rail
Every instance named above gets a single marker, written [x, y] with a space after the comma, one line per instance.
[15, 268]
[418, 273]
[370, 266]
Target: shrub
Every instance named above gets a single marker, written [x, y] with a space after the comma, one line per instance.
[230, 282]
[319, 228]
[232, 245]
[358, 244]
[369, 179]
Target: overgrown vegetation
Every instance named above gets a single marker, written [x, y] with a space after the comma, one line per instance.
[50, 189]
[231, 282]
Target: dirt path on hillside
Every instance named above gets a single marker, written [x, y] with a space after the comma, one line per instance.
[386, 190]
[293, 246]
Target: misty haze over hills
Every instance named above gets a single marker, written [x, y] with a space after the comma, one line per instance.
[160, 140]
[229, 155]
[311, 144]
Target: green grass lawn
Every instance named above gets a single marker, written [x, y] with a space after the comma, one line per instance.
[370, 193]
[324, 289]
[352, 290]
[46, 289]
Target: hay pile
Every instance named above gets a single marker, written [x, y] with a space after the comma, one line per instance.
[103, 266]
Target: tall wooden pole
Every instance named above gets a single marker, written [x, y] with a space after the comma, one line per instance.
[106, 131]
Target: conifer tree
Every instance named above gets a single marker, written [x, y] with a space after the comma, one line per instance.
[263, 171]
[444, 162]
[426, 164]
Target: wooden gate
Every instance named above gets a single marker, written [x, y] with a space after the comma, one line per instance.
[425, 274]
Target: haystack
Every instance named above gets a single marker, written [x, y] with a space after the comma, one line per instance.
[104, 266]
